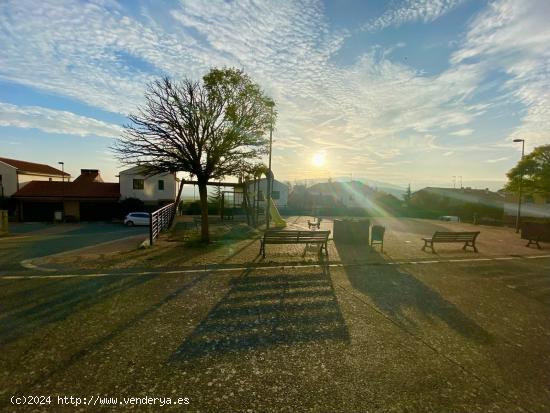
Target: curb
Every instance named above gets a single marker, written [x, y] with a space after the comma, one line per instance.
[27, 263]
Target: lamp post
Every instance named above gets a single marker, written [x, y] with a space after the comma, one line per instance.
[518, 216]
[62, 188]
[269, 175]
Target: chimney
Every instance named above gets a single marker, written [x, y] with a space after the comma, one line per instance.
[89, 175]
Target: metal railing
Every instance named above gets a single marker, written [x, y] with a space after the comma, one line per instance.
[160, 220]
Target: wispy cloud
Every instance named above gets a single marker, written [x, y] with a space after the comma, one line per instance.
[504, 158]
[514, 37]
[412, 11]
[54, 121]
[462, 132]
[377, 108]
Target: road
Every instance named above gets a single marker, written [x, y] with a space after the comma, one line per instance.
[34, 240]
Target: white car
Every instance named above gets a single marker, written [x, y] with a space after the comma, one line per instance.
[449, 218]
[137, 218]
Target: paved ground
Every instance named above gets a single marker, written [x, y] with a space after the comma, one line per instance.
[402, 243]
[359, 332]
[30, 240]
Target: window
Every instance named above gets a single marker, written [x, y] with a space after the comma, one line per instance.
[275, 195]
[161, 184]
[138, 183]
[261, 196]
[50, 179]
[528, 199]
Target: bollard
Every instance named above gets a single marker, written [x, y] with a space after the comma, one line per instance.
[4, 221]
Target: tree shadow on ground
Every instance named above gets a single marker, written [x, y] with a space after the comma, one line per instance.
[120, 328]
[262, 310]
[57, 301]
[403, 297]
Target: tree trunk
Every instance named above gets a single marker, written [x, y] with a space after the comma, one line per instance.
[205, 237]
[177, 204]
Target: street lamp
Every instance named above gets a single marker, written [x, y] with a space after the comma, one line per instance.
[520, 183]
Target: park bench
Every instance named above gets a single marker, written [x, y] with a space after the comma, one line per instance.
[315, 224]
[282, 236]
[535, 232]
[468, 238]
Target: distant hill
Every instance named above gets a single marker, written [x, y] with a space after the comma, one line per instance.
[392, 189]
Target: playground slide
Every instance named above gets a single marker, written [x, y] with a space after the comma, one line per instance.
[276, 218]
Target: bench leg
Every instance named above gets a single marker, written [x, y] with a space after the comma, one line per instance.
[536, 242]
[469, 244]
[428, 246]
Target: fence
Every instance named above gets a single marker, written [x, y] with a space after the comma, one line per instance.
[160, 220]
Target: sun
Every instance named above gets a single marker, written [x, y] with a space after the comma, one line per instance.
[318, 159]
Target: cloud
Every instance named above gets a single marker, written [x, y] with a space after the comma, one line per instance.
[462, 132]
[504, 158]
[376, 108]
[424, 11]
[514, 37]
[54, 121]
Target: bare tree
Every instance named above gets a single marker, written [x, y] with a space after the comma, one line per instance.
[210, 129]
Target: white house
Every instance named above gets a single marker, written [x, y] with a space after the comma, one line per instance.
[279, 193]
[15, 174]
[152, 190]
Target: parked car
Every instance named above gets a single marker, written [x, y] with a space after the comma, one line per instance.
[450, 218]
[137, 218]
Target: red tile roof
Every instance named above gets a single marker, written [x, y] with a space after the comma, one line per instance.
[81, 189]
[31, 167]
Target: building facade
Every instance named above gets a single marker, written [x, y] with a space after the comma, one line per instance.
[87, 198]
[279, 192]
[152, 190]
[15, 174]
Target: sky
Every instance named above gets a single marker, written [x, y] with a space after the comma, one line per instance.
[398, 91]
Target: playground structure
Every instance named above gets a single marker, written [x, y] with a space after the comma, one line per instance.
[236, 200]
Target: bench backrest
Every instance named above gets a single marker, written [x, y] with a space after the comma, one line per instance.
[455, 236]
[282, 235]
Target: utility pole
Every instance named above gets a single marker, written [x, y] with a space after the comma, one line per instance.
[518, 216]
[269, 175]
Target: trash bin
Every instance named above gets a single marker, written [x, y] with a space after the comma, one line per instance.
[347, 231]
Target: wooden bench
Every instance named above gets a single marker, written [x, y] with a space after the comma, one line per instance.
[468, 238]
[284, 236]
[315, 224]
[535, 232]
